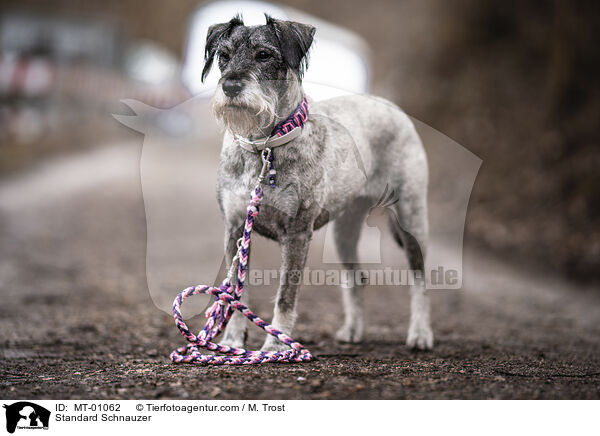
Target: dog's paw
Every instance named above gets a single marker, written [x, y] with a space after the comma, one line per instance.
[420, 336]
[234, 336]
[350, 333]
[232, 342]
[274, 344]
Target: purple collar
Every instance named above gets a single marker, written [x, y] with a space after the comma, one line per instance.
[285, 131]
[296, 119]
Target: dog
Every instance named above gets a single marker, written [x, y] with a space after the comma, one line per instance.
[260, 86]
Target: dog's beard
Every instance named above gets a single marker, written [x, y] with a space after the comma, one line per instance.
[250, 114]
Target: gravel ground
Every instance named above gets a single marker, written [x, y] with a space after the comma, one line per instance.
[77, 320]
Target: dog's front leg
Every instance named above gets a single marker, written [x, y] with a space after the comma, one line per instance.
[294, 249]
[235, 333]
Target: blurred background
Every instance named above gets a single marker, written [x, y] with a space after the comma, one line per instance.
[514, 82]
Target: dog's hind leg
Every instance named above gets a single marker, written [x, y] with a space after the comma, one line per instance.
[294, 248]
[235, 332]
[409, 226]
[346, 234]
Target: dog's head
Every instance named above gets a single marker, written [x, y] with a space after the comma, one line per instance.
[261, 72]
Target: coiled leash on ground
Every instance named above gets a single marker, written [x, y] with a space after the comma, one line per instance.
[227, 300]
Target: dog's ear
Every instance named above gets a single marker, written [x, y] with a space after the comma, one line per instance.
[216, 32]
[294, 39]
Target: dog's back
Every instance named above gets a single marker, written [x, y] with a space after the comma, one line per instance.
[380, 135]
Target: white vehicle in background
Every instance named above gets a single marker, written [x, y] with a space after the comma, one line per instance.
[339, 60]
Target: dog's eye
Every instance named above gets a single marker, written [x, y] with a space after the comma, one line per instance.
[224, 57]
[263, 55]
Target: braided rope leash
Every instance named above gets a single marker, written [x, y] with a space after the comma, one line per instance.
[227, 301]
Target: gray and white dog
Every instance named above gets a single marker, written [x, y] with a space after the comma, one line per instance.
[260, 86]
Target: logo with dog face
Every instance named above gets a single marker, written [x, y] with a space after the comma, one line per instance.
[26, 415]
[178, 167]
[179, 178]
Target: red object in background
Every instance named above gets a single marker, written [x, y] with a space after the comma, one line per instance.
[29, 76]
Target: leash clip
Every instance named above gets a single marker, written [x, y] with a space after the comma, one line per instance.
[265, 155]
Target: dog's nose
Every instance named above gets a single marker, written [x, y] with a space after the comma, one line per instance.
[232, 87]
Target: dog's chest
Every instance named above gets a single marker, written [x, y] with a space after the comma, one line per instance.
[288, 206]
[279, 210]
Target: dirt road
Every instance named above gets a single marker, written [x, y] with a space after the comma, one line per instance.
[77, 320]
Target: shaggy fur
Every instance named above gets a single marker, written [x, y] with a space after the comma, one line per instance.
[351, 149]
